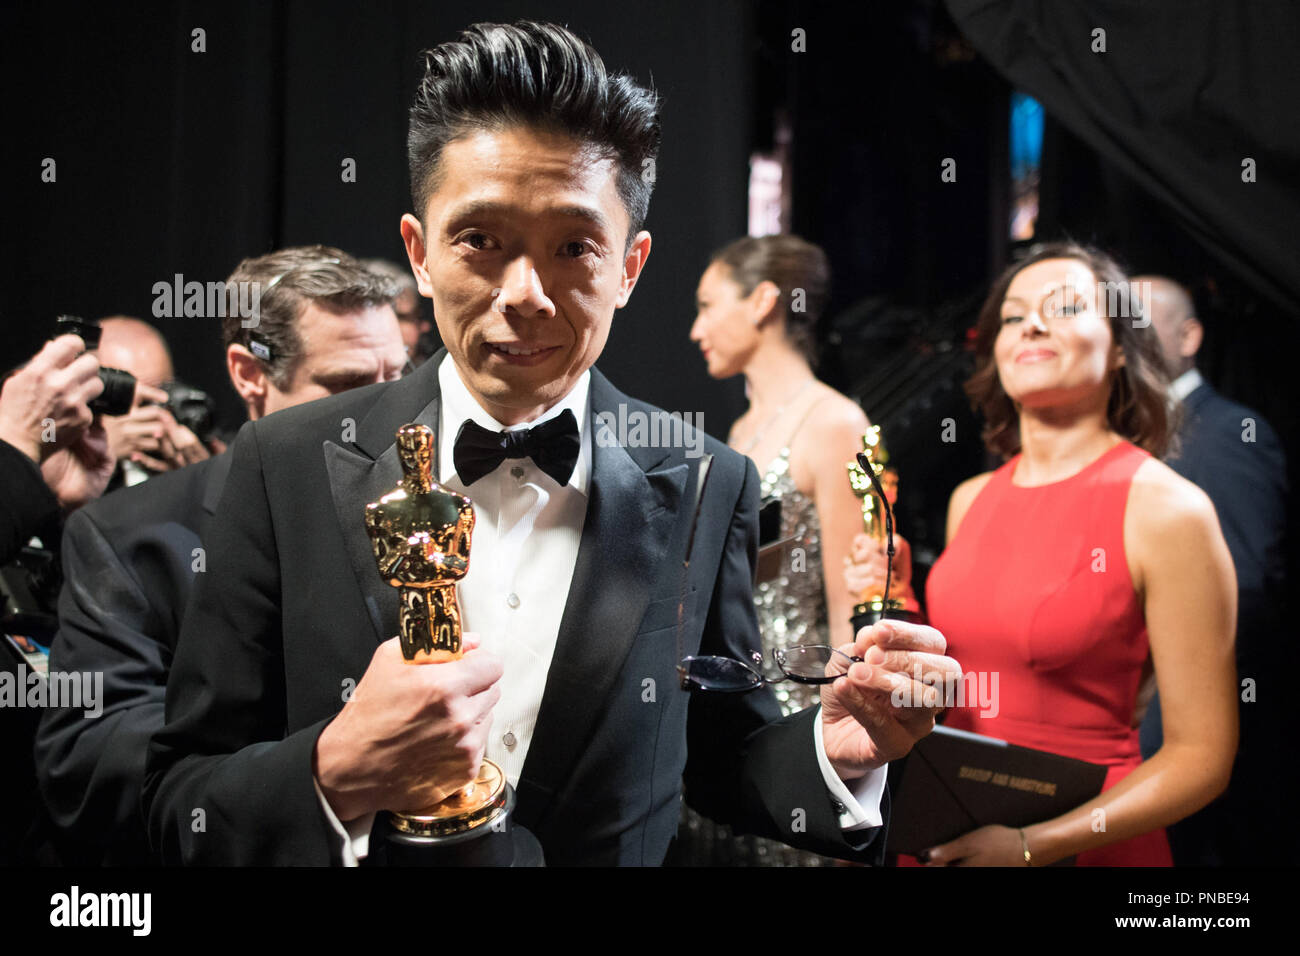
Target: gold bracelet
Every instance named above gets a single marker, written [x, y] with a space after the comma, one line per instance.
[1024, 845]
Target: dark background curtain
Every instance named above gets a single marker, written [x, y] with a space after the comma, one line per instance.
[1183, 92]
[171, 161]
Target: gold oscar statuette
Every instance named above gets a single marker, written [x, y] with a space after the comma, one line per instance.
[873, 605]
[420, 535]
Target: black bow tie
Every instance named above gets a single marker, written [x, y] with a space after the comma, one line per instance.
[553, 445]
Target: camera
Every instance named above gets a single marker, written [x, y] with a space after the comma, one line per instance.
[29, 593]
[191, 407]
[119, 386]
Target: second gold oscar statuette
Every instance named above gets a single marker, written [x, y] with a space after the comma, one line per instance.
[874, 604]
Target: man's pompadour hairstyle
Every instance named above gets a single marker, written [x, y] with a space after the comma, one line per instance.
[536, 75]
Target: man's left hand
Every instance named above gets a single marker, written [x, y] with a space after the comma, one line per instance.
[886, 703]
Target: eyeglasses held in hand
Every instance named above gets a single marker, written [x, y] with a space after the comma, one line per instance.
[803, 663]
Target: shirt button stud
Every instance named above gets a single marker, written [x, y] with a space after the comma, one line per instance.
[512, 599]
[509, 740]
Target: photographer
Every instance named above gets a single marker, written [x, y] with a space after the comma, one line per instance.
[148, 439]
[54, 456]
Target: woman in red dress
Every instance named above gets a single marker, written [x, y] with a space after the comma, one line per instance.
[1081, 563]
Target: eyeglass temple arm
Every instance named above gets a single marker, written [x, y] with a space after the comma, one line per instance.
[865, 464]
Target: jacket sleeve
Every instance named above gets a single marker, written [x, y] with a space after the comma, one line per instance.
[90, 758]
[224, 784]
[27, 505]
[746, 764]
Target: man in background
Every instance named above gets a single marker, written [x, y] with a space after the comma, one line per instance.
[417, 331]
[326, 325]
[1232, 454]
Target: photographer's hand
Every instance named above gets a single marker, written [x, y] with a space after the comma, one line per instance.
[175, 447]
[79, 471]
[186, 445]
[150, 436]
[55, 386]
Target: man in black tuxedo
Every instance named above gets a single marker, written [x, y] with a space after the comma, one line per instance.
[529, 165]
[1235, 457]
[324, 325]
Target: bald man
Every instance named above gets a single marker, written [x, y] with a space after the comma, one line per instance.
[136, 346]
[1235, 457]
[147, 439]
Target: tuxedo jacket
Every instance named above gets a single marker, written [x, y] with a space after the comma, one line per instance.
[291, 608]
[129, 565]
[1246, 480]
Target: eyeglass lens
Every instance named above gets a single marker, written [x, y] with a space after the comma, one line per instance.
[719, 673]
[806, 663]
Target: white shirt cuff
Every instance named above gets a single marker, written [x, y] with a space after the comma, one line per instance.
[860, 807]
[355, 835]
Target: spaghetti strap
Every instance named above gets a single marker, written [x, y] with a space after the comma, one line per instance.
[806, 415]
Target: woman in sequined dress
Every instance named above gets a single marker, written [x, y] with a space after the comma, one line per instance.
[757, 304]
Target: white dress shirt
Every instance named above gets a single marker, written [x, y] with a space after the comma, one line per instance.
[1185, 384]
[527, 530]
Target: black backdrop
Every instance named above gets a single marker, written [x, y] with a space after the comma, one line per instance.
[170, 161]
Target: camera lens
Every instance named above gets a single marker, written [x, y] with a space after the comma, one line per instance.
[118, 394]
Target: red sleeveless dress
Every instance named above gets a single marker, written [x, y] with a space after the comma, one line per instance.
[1035, 587]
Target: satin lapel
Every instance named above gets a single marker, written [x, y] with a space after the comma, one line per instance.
[631, 511]
[359, 477]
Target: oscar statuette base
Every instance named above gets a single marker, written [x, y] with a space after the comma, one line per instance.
[869, 612]
[473, 827]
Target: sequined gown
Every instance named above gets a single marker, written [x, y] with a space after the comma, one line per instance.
[791, 610]
[792, 607]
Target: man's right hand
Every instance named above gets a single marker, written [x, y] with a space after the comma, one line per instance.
[411, 735]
